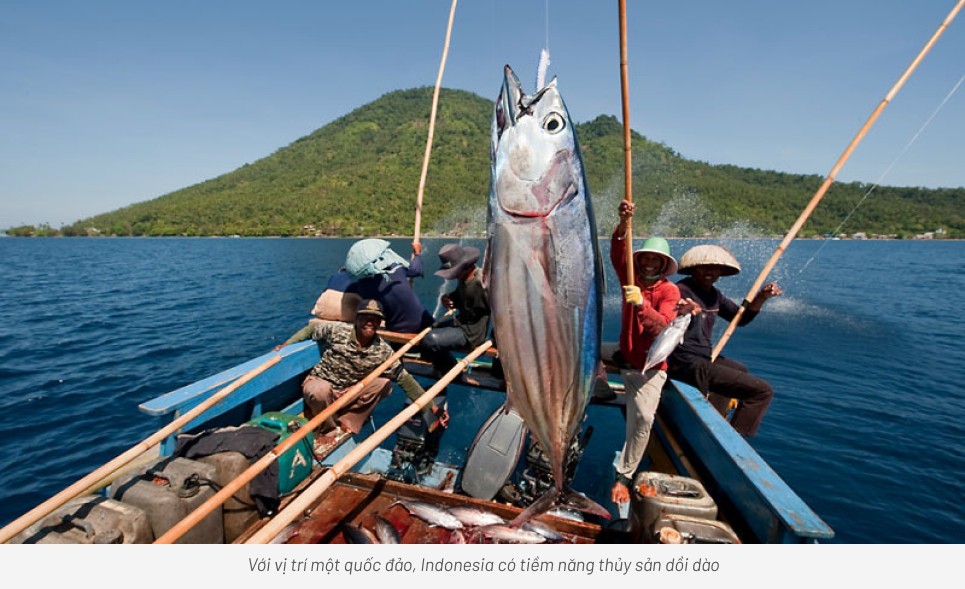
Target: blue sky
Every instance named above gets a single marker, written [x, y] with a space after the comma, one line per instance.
[108, 103]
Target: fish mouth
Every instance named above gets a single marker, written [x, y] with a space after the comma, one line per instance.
[535, 189]
[543, 196]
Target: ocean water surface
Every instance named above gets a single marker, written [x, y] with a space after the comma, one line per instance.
[864, 352]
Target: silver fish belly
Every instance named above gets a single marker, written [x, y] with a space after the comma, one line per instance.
[359, 535]
[667, 341]
[385, 531]
[543, 266]
[501, 533]
[473, 516]
[432, 514]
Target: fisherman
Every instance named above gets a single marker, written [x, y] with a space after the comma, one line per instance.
[469, 299]
[649, 306]
[383, 275]
[350, 353]
[691, 360]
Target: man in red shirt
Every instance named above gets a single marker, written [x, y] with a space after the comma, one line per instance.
[649, 305]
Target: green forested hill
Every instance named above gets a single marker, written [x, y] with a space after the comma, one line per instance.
[359, 175]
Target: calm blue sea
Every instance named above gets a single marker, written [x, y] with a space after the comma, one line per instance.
[864, 351]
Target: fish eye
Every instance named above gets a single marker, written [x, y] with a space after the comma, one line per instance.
[554, 123]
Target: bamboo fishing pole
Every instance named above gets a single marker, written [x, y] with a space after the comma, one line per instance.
[627, 153]
[228, 490]
[84, 484]
[752, 292]
[303, 502]
[432, 126]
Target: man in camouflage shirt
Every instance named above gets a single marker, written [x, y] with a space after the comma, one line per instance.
[350, 353]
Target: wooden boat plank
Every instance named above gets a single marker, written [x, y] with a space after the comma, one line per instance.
[397, 337]
[480, 372]
[418, 367]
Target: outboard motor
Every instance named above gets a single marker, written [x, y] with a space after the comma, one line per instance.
[537, 478]
[416, 446]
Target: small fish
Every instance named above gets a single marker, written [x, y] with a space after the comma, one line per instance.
[667, 341]
[385, 531]
[359, 535]
[457, 537]
[503, 533]
[474, 516]
[543, 530]
[432, 514]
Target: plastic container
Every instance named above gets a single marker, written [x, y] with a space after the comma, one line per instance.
[682, 529]
[168, 491]
[90, 519]
[239, 511]
[656, 494]
[295, 465]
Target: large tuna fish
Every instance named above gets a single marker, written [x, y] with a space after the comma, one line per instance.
[544, 274]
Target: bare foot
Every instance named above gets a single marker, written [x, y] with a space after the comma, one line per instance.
[329, 438]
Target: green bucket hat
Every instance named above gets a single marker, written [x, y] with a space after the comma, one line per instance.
[659, 246]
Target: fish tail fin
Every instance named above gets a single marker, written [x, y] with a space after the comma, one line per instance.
[546, 502]
[556, 498]
[570, 498]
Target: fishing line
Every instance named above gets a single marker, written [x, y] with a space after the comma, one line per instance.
[888, 169]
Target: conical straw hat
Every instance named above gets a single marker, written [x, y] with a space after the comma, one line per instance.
[709, 255]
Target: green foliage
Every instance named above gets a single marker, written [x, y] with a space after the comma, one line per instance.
[359, 175]
[44, 230]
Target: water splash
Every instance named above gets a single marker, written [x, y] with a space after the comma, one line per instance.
[684, 215]
[462, 222]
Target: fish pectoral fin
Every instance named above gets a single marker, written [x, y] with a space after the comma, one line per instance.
[570, 498]
[546, 502]
[556, 498]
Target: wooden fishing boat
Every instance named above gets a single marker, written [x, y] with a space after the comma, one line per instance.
[703, 483]
[692, 443]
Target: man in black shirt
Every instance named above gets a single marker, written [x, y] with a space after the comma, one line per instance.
[690, 362]
[468, 328]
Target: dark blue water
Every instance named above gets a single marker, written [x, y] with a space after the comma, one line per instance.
[864, 351]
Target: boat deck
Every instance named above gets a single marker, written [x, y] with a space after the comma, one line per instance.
[357, 498]
[690, 439]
